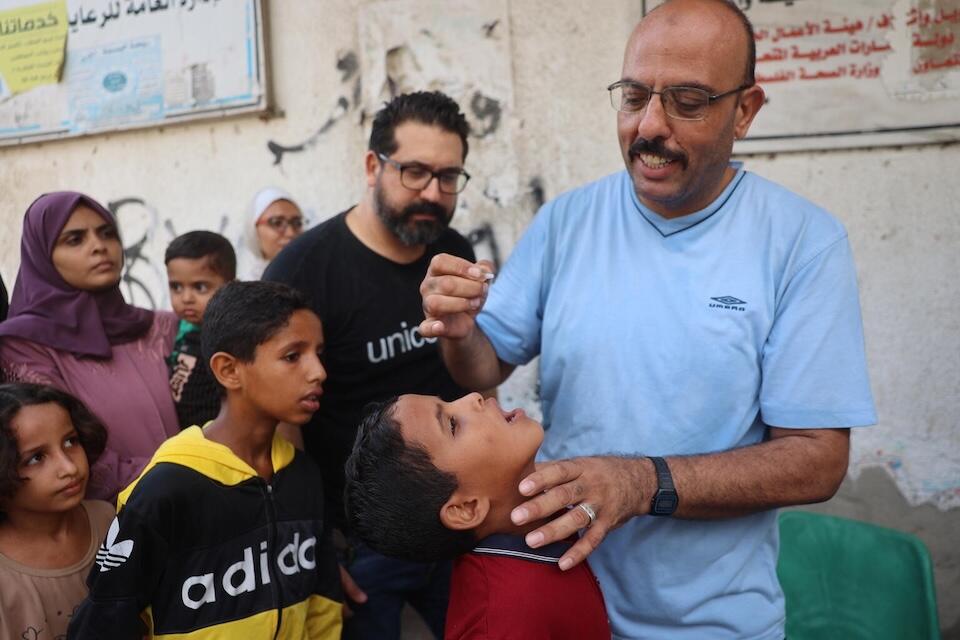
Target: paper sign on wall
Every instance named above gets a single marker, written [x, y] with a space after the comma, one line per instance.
[32, 43]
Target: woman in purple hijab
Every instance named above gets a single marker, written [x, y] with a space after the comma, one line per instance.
[69, 327]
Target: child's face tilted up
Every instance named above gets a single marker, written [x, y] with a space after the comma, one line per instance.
[192, 283]
[285, 378]
[428, 479]
[487, 448]
[51, 461]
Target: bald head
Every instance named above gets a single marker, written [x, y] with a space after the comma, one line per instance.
[679, 162]
[728, 18]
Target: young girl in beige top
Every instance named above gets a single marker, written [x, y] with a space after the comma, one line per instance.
[48, 533]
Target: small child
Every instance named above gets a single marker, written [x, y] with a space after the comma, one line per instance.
[223, 535]
[48, 533]
[198, 264]
[429, 480]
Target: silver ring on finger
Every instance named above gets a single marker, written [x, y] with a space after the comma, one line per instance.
[589, 510]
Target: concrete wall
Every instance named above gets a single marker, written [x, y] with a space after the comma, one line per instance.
[548, 128]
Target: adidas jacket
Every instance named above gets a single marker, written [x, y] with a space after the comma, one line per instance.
[203, 548]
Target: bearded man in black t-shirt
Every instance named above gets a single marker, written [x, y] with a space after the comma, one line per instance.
[362, 271]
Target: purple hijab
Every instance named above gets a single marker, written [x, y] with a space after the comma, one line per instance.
[47, 310]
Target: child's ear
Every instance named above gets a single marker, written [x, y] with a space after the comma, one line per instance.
[461, 513]
[226, 369]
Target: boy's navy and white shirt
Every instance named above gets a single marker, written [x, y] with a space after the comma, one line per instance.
[203, 547]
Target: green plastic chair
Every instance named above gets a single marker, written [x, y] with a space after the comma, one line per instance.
[849, 580]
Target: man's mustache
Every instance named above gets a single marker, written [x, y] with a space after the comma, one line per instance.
[655, 147]
[424, 208]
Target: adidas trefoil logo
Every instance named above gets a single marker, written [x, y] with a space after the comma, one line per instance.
[728, 302]
[111, 553]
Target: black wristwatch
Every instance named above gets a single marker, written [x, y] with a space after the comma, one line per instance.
[665, 500]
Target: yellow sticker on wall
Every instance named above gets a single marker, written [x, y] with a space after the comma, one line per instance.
[33, 42]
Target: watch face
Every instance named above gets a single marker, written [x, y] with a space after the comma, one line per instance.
[665, 503]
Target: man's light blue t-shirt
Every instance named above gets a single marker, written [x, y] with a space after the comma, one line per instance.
[685, 336]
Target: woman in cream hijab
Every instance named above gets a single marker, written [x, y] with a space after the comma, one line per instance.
[275, 219]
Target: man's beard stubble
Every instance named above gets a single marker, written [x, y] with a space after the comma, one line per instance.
[412, 233]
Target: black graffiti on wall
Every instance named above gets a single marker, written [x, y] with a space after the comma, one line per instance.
[339, 111]
[137, 222]
[143, 280]
[487, 113]
[484, 236]
[222, 229]
[349, 66]
[537, 193]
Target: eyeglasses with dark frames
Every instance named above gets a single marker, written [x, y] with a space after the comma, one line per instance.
[280, 223]
[681, 103]
[416, 177]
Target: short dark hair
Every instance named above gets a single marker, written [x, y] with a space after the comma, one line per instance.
[205, 244]
[15, 396]
[425, 107]
[749, 75]
[394, 493]
[242, 315]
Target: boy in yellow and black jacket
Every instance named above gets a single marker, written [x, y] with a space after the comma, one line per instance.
[224, 534]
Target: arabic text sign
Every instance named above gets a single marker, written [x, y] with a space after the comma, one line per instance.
[32, 41]
[856, 73]
[142, 63]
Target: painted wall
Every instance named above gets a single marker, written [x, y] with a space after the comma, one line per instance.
[539, 69]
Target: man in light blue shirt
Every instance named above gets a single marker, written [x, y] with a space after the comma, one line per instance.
[701, 345]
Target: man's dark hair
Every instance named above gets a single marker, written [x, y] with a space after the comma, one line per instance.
[205, 244]
[749, 77]
[425, 107]
[394, 493]
[242, 315]
[17, 395]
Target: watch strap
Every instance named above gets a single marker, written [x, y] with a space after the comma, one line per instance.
[665, 500]
[664, 477]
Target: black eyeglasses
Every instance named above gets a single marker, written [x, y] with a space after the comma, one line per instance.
[682, 103]
[279, 223]
[416, 177]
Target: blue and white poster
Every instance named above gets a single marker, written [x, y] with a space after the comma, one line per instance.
[144, 63]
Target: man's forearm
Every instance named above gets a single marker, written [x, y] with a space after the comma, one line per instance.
[472, 361]
[796, 466]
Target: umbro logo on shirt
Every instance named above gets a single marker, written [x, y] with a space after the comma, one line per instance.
[111, 553]
[728, 302]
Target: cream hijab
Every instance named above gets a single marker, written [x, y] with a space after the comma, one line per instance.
[250, 262]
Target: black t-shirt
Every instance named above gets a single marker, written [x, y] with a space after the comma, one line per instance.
[371, 311]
